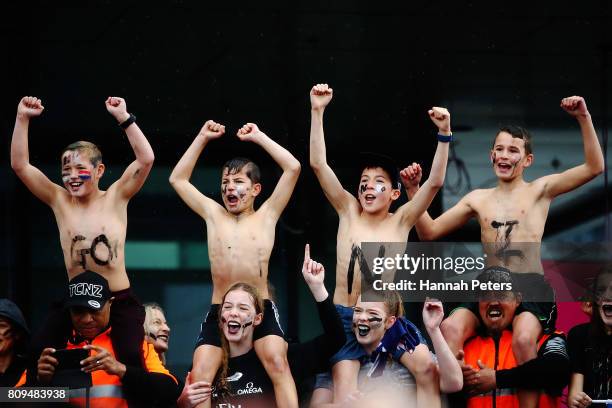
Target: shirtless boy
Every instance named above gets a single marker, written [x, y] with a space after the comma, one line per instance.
[367, 219]
[512, 215]
[240, 241]
[92, 223]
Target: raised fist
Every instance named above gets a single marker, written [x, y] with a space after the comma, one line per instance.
[441, 118]
[575, 106]
[117, 107]
[29, 106]
[249, 132]
[212, 130]
[411, 176]
[320, 95]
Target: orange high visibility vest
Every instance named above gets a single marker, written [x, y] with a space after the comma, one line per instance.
[107, 391]
[483, 349]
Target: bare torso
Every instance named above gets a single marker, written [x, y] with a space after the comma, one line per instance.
[353, 229]
[239, 249]
[92, 236]
[512, 224]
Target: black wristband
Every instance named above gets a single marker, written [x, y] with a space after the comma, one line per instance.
[445, 138]
[128, 122]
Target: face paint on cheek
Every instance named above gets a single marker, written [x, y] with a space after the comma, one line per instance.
[375, 322]
[84, 175]
[65, 179]
[362, 188]
[380, 188]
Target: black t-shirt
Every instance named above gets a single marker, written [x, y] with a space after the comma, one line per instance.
[594, 362]
[248, 382]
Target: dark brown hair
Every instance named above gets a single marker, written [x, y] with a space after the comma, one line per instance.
[516, 132]
[236, 164]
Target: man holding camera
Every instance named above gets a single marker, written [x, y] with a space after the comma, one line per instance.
[88, 364]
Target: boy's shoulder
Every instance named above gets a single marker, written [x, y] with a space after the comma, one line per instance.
[477, 195]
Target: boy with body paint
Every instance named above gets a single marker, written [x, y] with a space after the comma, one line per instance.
[240, 241]
[367, 219]
[92, 223]
[512, 217]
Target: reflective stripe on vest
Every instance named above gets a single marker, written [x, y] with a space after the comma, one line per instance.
[97, 391]
[483, 348]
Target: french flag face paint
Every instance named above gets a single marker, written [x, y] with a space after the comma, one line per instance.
[84, 175]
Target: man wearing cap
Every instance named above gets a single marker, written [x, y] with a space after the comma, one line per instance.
[114, 383]
[14, 334]
[491, 374]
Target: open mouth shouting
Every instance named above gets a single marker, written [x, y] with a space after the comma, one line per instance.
[232, 199]
[606, 307]
[369, 198]
[75, 185]
[494, 312]
[163, 337]
[504, 167]
[233, 327]
[363, 330]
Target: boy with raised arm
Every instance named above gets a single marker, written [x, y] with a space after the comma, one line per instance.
[240, 241]
[92, 223]
[513, 215]
[367, 219]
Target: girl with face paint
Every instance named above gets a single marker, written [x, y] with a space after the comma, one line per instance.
[590, 348]
[242, 379]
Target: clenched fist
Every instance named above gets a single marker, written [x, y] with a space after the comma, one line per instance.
[249, 133]
[29, 106]
[441, 118]
[411, 176]
[575, 106]
[320, 96]
[212, 130]
[118, 108]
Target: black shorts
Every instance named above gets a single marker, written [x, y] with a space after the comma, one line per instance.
[211, 335]
[127, 318]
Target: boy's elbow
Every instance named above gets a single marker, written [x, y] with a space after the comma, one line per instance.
[295, 167]
[315, 164]
[173, 179]
[427, 235]
[18, 166]
[437, 184]
[148, 159]
[598, 169]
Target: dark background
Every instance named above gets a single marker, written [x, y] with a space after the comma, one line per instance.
[179, 63]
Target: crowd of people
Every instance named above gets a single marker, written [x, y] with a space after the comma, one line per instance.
[501, 350]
